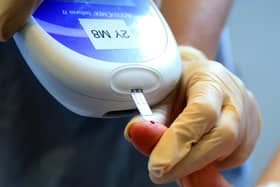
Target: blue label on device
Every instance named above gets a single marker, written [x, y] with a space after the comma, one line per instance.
[115, 31]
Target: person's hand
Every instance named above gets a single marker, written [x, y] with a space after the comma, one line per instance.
[212, 118]
[145, 135]
[13, 15]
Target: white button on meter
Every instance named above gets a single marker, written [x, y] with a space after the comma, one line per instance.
[135, 78]
[90, 54]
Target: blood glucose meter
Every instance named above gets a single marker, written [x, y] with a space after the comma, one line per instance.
[90, 54]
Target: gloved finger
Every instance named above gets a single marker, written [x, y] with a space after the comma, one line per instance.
[197, 119]
[13, 15]
[217, 144]
[247, 144]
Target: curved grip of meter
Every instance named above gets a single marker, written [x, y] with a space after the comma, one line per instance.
[91, 88]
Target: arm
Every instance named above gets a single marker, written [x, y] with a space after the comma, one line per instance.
[197, 23]
[272, 172]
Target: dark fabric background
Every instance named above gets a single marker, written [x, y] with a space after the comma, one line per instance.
[42, 144]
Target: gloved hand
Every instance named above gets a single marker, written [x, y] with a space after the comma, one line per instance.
[212, 118]
[13, 15]
[145, 135]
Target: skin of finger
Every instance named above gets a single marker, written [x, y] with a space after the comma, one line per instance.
[184, 182]
[13, 16]
[208, 176]
[145, 135]
[218, 143]
[271, 173]
[159, 116]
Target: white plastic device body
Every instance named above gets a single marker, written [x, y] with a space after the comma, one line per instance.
[96, 87]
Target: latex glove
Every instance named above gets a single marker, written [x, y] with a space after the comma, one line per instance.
[212, 118]
[13, 15]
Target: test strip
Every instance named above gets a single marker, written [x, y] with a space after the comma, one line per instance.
[141, 104]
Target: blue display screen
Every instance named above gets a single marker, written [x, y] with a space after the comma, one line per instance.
[115, 31]
[105, 2]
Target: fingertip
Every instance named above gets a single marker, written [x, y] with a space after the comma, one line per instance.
[136, 119]
[144, 135]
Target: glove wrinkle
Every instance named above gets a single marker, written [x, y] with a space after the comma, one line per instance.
[168, 154]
